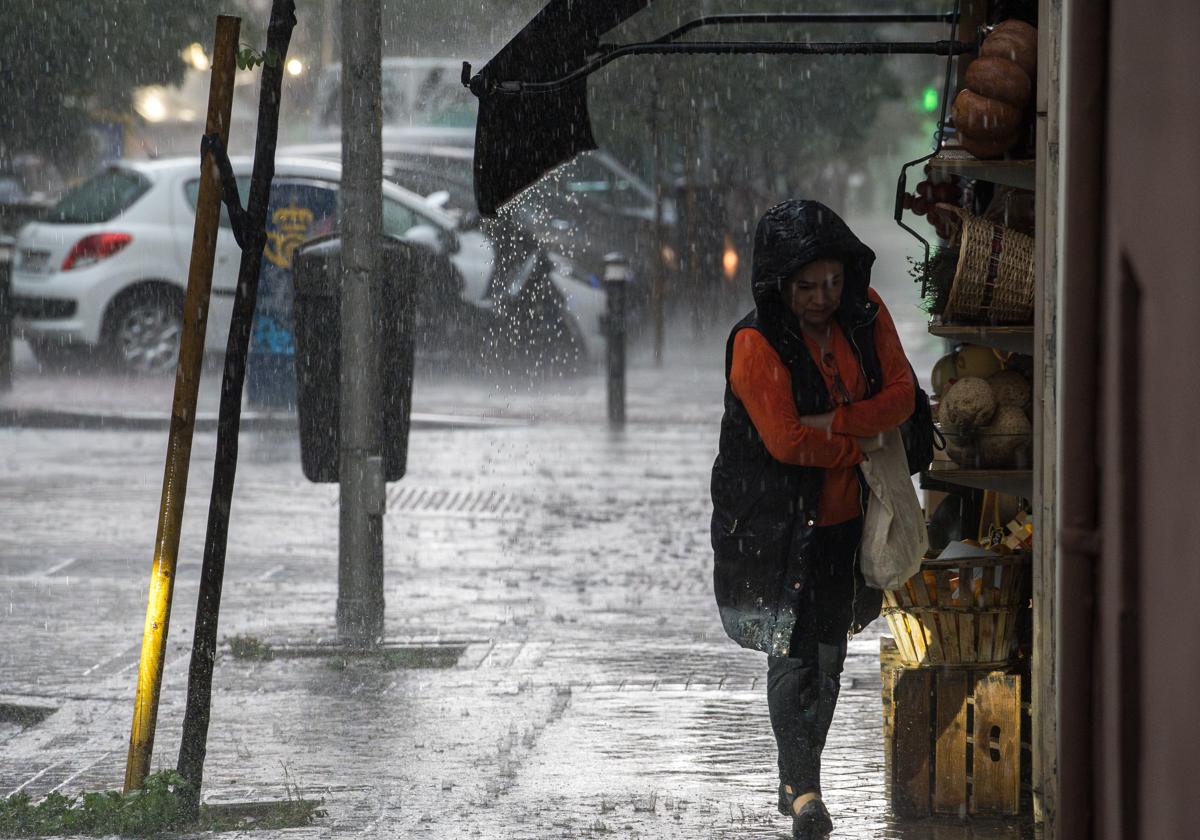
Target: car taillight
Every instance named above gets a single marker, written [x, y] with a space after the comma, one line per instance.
[92, 249]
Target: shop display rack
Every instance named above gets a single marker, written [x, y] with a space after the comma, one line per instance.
[1008, 339]
[947, 476]
[1012, 173]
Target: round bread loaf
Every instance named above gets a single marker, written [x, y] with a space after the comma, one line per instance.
[1014, 46]
[999, 78]
[983, 118]
[1010, 387]
[962, 451]
[968, 405]
[1006, 439]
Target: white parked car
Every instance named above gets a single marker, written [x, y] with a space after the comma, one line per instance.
[106, 269]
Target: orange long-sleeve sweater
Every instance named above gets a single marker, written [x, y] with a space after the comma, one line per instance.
[761, 381]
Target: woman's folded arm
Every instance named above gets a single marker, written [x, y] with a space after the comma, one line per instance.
[894, 402]
[760, 380]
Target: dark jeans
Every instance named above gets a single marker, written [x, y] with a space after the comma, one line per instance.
[802, 688]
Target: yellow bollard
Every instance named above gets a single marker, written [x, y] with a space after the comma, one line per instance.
[183, 411]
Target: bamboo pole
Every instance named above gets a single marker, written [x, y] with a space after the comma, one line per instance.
[183, 411]
[252, 222]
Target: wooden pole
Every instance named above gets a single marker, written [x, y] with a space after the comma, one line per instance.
[1065, 468]
[183, 412]
[253, 223]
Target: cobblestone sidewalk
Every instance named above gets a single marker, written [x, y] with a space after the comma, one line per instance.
[566, 565]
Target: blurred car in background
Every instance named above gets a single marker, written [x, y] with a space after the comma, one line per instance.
[17, 208]
[11, 190]
[588, 207]
[105, 271]
[423, 100]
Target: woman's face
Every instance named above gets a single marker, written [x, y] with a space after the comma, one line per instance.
[814, 292]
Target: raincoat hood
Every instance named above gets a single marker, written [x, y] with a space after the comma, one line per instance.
[794, 233]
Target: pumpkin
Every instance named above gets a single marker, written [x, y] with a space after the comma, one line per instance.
[976, 360]
[1018, 28]
[999, 78]
[983, 118]
[943, 375]
[1014, 40]
[984, 149]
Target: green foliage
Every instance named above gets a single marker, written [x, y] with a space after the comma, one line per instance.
[149, 812]
[65, 61]
[248, 57]
[935, 277]
[143, 813]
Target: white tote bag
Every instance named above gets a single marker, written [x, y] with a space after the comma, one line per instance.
[894, 537]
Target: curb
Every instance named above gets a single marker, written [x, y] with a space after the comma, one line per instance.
[43, 418]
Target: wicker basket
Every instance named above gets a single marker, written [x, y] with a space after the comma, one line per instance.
[993, 283]
[959, 612]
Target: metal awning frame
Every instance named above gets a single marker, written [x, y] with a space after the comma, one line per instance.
[566, 99]
[669, 44]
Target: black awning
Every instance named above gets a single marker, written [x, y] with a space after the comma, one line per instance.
[520, 136]
[533, 112]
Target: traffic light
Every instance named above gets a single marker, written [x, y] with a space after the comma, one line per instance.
[930, 99]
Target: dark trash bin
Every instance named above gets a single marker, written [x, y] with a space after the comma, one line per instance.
[317, 318]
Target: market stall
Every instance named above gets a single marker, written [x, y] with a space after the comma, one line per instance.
[957, 667]
[968, 692]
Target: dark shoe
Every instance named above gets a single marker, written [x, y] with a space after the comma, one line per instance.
[785, 801]
[813, 822]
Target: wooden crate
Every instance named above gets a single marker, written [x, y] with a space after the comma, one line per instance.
[952, 738]
[959, 612]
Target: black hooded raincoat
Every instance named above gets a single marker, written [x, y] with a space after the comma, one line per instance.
[765, 511]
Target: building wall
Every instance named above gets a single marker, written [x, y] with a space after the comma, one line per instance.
[1129, 533]
[1150, 402]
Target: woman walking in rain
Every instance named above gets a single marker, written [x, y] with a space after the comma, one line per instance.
[814, 375]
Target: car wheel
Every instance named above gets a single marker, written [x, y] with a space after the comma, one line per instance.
[143, 329]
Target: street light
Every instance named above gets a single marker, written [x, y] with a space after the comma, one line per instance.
[729, 260]
[149, 103]
[194, 55]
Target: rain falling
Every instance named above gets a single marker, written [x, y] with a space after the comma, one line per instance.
[565, 418]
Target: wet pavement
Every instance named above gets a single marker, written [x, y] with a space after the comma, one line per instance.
[595, 693]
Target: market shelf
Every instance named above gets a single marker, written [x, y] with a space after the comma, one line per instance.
[1013, 482]
[1012, 173]
[1018, 339]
